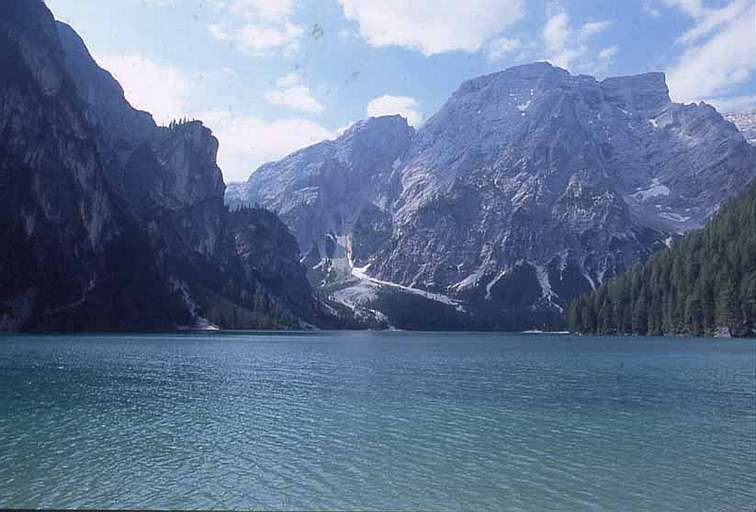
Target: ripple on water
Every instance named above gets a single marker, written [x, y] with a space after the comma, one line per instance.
[386, 421]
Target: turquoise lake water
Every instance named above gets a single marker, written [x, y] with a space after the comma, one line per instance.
[388, 421]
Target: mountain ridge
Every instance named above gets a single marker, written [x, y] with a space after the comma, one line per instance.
[528, 177]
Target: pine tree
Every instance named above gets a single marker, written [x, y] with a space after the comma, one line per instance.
[725, 303]
[706, 281]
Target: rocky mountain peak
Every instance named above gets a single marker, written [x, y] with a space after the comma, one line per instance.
[528, 186]
[377, 139]
[376, 126]
[647, 91]
[533, 75]
[188, 153]
[321, 191]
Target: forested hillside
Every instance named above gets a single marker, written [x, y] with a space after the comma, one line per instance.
[704, 285]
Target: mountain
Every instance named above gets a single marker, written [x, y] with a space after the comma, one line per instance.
[114, 222]
[324, 188]
[528, 187]
[746, 123]
[705, 284]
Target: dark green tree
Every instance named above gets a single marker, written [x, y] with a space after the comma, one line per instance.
[707, 281]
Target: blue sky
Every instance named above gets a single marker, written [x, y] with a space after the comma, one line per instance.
[270, 76]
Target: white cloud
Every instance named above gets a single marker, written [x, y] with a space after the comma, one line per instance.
[650, 10]
[258, 26]
[690, 7]
[502, 46]
[266, 9]
[259, 39]
[564, 45]
[734, 104]
[594, 27]
[246, 142]
[608, 53]
[708, 20]
[343, 128]
[220, 32]
[294, 94]
[159, 3]
[403, 105]
[344, 34]
[717, 65]
[556, 32]
[161, 90]
[297, 97]
[432, 26]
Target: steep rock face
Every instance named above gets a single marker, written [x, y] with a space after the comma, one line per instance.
[115, 222]
[324, 188]
[65, 236]
[533, 163]
[529, 186]
[269, 256]
[155, 169]
[222, 263]
[173, 167]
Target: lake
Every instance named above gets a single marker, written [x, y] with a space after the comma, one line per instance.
[389, 421]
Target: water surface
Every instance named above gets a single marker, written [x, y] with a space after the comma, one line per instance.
[399, 421]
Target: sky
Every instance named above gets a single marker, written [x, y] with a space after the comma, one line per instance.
[272, 76]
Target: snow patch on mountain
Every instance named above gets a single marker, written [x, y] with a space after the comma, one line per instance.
[547, 293]
[493, 282]
[358, 294]
[655, 190]
[361, 273]
[590, 280]
[674, 217]
[470, 281]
